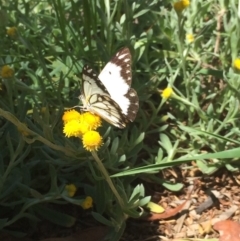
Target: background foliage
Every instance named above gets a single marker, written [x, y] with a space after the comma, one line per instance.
[46, 43]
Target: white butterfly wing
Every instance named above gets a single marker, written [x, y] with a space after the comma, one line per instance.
[90, 84]
[109, 110]
[109, 95]
[96, 99]
[116, 76]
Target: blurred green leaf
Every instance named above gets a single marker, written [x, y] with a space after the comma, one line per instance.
[54, 216]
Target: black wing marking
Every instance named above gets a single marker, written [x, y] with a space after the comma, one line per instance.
[123, 59]
[133, 106]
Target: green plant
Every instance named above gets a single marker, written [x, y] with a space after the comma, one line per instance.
[45, 44]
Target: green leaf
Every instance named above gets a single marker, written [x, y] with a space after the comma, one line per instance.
[3, 221]
[174, 187]
[102, 219]
[144, 201]
[231, 168]
[53, 216]
[166, 143]
[115, 145]
[206, 169]
[140, 13]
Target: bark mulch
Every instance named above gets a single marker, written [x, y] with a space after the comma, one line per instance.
[202, 209]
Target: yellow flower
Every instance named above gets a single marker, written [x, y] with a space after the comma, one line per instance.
[92, 140]
[71, 189]
[43, 110]
[12, 32]
[181, 5]
[77, 125]
[75, 128]
[94, 121]
[190, 37]
[167, 92]
[71, 115]
[236, 64]
[7, 72]
[87, 203]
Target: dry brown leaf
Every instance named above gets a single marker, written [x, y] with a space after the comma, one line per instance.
[168, 213]
[194, 228]
[228, 230]
[205, 227]
[181, 219]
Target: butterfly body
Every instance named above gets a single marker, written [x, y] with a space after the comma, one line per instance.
[109, 95]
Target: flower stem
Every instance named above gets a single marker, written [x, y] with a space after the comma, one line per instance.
[108, 179]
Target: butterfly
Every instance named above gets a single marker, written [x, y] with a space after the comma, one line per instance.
[109, 95]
